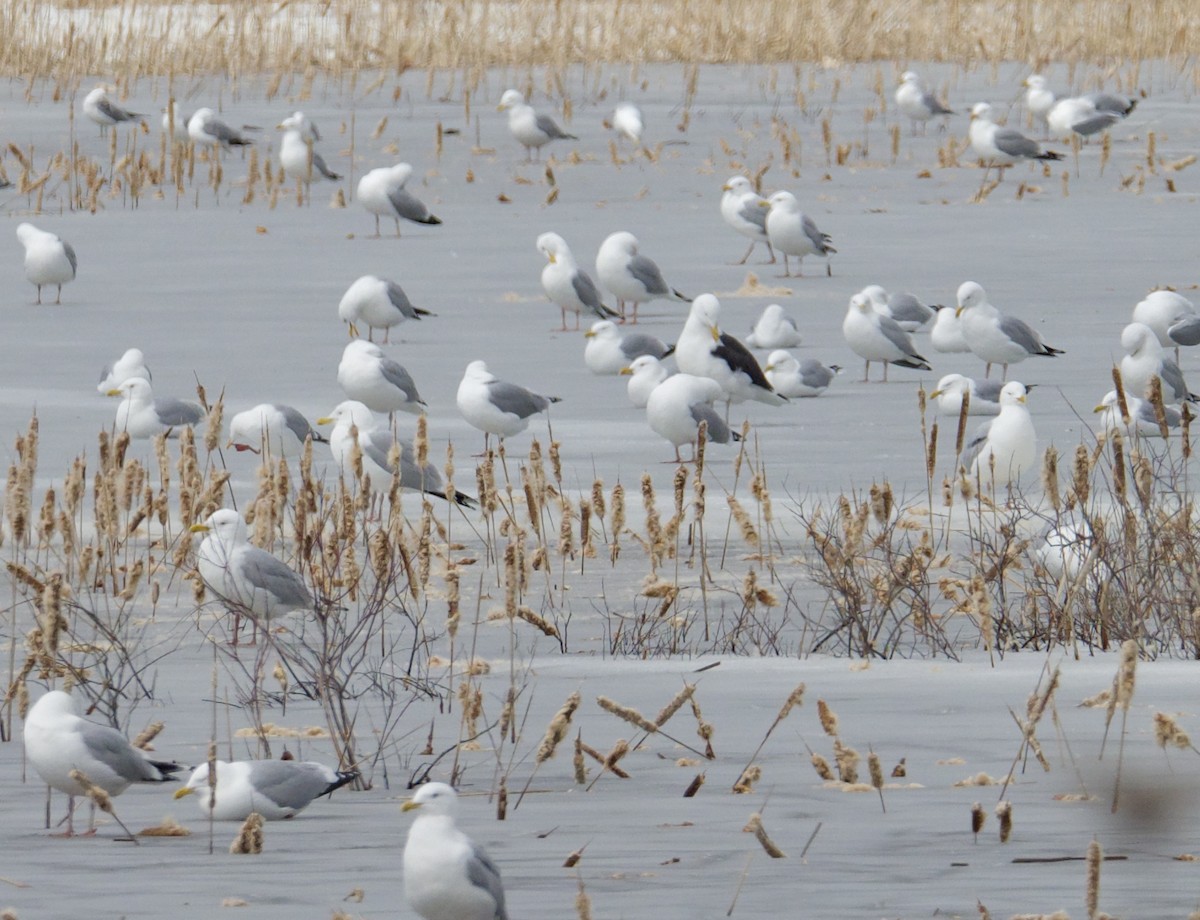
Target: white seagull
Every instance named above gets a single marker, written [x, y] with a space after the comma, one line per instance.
[131, 364]
[608, 351]
[1005, 446]
[946, 335]
[630, 276]
[677, 406]
[793, 233]
[645, 373]
[532, 131]
[377, 303]
[104, 112]
[906, 309]
[568, 285]
[745, 211]
[704, 350]
[627, 122]
[774, 329]
[296, 153]
[875, 337]
[1039, 100]
[48, 259]
[1143, 421]
[953, 388]
[1171, 316]
[205, 128]
[916, 102]
[275, 789]
[175, 124]
[1000, 146]
[495, 406]
[271, 429]
[144, 416]
[1145, 360]
[994, 337]
[798, 379]
[381, 191]
[366, 374]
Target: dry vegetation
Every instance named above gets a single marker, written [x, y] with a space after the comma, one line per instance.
[340, 39]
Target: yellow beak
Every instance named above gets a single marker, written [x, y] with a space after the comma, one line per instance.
[936, 393]
[325, 421]
[958, 311]
[410, 806]
[716, 333]
[185, 791]
[627, 372]
[727, 188]
[353, 330]
[199, 528]
[551, 257]
[1100, 408]
[589, 334]
[114, 393]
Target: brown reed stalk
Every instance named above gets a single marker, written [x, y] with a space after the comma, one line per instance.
[829, 719]
[101, 799]
[1169, 732]
[1095, 859]
[978, 819]
[628, 714]
[1004, 814]
[577, 761]
[755, 827]
[1122, 696]
[749, 776]
[847, 760]
[876, 772]
[249, 840]
[795, 698]
[821, 765]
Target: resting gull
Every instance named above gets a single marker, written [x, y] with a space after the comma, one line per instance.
[678, 405]
[628, 123]
[48, 259]
[271, 429]
[1001, 146]
[144, 416]
[1171, 316]
[798, 379]
[296, 154]
[774, 329]
[378, 304]
[532, 131]
[1143, 421]
[875, 337]
[608, 351]
[630, 276]
[793, 233]
[274, 789]
[1005, 446]
[565, 283]
[984, 395]
[495, 406]
[366, 374]
[381, 191]
[1039, 100]
[131, 364]
[906, 309]
[1145, 360]
[205, 128]
[946, 335]
[994, 337]
[104, 112]
[744, 210]
[645, 373]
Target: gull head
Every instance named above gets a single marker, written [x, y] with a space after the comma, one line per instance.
[1012, 394]
[982, 111]
[705, 309]
[352, 412]
[433, 799]
[876, 294]
[909, 77]
[1136, 336]
[551, 245]
[862, 303]
[969, 295]
[511, 99]
[951, 383]
[1035, 81]
[224, 523]
[603, 329]
[738, 184]
[135, 389]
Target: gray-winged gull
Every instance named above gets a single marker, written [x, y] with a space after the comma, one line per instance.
[144, 416]
[104, 112]
[296, 153]
[275, 789]
[745, 211]
[1145, 360]
[565, 283]
[381, 191]
[630, 276]
[1143, 421]
[645, 373]
[377, 303]
[1001, 146]
[48, 259]
[916, 102]
[272, 429]
[798, 379]
[608, 351]
[704, 350]
[495, 406]
[875, 337]
[984, 395]
[678, 405]
[131, 364]
[774, 329]
[531, 130]
[368, 375]
[205, 128]
[794, 233]
[994, 337]
[1005, 446]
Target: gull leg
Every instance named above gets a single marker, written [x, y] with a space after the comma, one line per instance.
[58, 296]
[39, 296]
[746, 256]
[770, 261]
[867, 373]
[397, 219]
[376, 227]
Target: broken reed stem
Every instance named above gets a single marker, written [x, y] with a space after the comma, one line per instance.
[249, 840]
[1095, 858]
[755, 826]
[101, 799]
[795, 698]
[555, 732]
[1123, 688]
[876, 771]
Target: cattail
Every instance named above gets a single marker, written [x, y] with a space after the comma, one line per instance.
[821, 765]
[675, 705]
[749, 534]
[1126, 674]
[598, 504]
[745, 783]
[653, 524]
[618, 520]
[1095, 857]
[1004, 813]
[281, 677]
[703, 728]
[557, 729]
[900, 770]
[1168, 732]
[452, 600]
[148, 734]
[250, 838]
[1050, 477]
[619, 750]
[829, 719]
[755, 827]
[1080, 472]
[632, 716]
[876, 770]
[502, 801]
[583, 903]
[577, 762]
[847, 760]
[212, 426]
[978, 817]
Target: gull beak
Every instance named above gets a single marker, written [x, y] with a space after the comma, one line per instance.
[716, 333]
[185, 791]
[326, 420]
[550, 256]
[627, 372]
[1021, 398]
[763, 203]
[958, 311]
[589, 334]
[936, 393]
[501, 107]
[353, 330]
[199, 528]
[410, 806]
[281, 127]
[114, 393]
[1100, 408]
[727, 188]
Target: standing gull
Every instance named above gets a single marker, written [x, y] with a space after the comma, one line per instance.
[993, 337]
[382, 192]
[131, 364]
[205, 128]
[48, 259]
[366, 374]
[705, 351]
[798, 379]
[447, 876]
[906, 309]
[296, 154]
[627, 122]
[104, 112]
[744, 210]
[175, 124]
[495, 406]
[1005, 446]
[143, 416]
[274, 789]
[354, 425]
[631, 277]
[532, 131]
[645, 373]
[677, 406]
[58, 741]
[607, 351]
[793, 232]
[774, 329]
[953, 388]
[1039, 100]
[916, 102]
[271, 429]
[565, 283]
[1000, 146]
[1146, 360]
[875, 337]
[379, 304]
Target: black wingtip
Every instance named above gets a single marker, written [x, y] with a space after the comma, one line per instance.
[343, 777]
[735, 436]
[681, 296]
[421, 312]
[430, 219]
[461, 498]
[319, 438]
[554, 399]
[168, 769]
[1049, 155]
[670, 351]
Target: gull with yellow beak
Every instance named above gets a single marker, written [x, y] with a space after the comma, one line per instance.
[379, 304]
[568, 285]
[745, 211]
[705, 351]
[274, 789]
[531, 130]
[608, 352]
[1005, 446]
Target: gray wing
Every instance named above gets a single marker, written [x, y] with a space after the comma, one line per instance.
[547, 126]
[648, 275]
[113, 749]
[413, 476]
[176, 412]
[116, 113]
[266, 573]
[69, 251]
[287, 783]
[297, 424]
[988, 390]
[1021, 333]
[1086, 127]
[976, 444]
[408, 206]
[637, 344]
[508, 397]
[897, 336]
[819, 240]
[1186, 331]
[1012, 142]
[1110, 102]
[377, 446]
[930, 101]
[586, 291]
[400, 300]
[398, 377]
[1172, 378]
[222, 132]
[815, 374]
[718, 431]
[907, 308]
[482, 873]
[1146, 416]
[320, 166]
[753, 213]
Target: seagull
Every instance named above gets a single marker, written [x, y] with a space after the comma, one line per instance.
[985, 395]
[1171, 316]
[914, 101]
[994, 337]
[354, 425]
[1038, 99]
[645, 373]
[205, 128]
[793, 233]
[274, 789]
[792, 378]
[875, 337]
[366, 374]
[774, 330]
[48, 259]
[946, 335]
[677, 406]
[271, 429]
[296, 154]
[100, 109]
[174, 124]
[1142, 422]
[250, 580]
[306, 126]
[1079, 116]
[627, 122]
[908, 311]
[58, 741]
[630, 276]
[567, 284]
[381, 191]
[1000, 146]
[131, 364]
[1146, 360]
[143, 416]
[494, 406]
[607, 351]
[532, 131]
[743, 209]
[447, 876]
[1005, 446]
[705, 351]
[379, 303]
